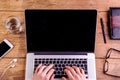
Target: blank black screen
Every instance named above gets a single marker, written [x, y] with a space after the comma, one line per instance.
[60, 30]
[3, 48]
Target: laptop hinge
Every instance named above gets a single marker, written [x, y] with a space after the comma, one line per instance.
[60, 53]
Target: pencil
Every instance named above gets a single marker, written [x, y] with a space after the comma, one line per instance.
[103, 32]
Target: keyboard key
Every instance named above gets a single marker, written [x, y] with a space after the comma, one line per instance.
[59, 64]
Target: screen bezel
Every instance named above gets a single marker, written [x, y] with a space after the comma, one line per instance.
[95, 11]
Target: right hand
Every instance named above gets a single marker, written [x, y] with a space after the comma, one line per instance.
[74, 73]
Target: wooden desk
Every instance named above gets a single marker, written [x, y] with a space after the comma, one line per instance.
[16, 8]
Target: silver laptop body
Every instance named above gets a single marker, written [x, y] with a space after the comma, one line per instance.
[60, 34]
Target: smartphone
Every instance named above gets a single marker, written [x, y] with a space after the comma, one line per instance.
[5, 47]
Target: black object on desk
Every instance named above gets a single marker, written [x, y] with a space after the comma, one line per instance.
[102, 25]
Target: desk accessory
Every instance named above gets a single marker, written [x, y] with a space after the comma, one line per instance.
[103, 32]
[5, 47]
[109, 67]
[114, 21]
[70, 40]
[13, 24]
[12, 61]
[10, 65]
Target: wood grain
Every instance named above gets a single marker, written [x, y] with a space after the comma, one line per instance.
[20, 5]
[13, 73]
[19, 42]
[17, 7]
[99, 69]
[18, 72]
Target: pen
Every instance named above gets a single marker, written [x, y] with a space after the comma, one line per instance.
[103, 32]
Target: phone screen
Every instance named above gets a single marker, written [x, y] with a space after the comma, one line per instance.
[3, 48]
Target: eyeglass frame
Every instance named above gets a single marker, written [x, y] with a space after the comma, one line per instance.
[107, 63]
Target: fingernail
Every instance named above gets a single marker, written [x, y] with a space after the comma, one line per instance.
[40, 64]
[66, 66]
[65, 70]
[74, 66]
[81, 68]
[53, 69]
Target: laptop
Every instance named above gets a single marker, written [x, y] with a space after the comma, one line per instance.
[61, 37]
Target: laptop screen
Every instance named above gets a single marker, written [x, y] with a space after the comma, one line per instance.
[60, 30]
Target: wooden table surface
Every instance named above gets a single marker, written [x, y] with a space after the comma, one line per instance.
[17, 7]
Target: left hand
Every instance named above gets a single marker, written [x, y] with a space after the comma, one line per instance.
[44, 73]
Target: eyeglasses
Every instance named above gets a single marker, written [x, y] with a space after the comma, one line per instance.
[106, 64]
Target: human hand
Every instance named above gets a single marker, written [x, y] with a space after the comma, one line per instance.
[74, 73]
[44, 73]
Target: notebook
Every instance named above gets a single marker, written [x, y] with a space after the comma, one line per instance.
[114, 19]
[61, 37]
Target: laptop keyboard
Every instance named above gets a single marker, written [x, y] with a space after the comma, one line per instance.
[60, 63]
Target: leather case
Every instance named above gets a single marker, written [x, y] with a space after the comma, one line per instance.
[114, 16]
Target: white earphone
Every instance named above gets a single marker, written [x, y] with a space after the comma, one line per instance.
[10, 65]
[13, 61]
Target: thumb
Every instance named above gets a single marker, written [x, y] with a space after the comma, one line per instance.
[63, 78]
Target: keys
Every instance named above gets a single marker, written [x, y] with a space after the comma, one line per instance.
[60, 63]
[59, 76]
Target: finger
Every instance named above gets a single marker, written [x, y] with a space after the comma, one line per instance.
[37, 69]
[63, 78]
[69, 74]
[47, 68]
[52, 77]
[77, 69]
[50, 73]
[71, 70]
[41, 69]
[82, 71]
